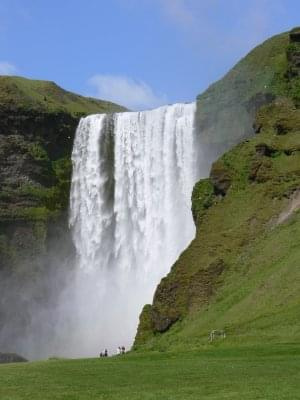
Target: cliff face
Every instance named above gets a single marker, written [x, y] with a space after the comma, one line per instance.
[241, 272]
[38, 122]
[37, 125]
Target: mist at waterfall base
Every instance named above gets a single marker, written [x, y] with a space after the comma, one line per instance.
[130, 219]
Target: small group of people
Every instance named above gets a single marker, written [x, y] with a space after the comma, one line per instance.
[121, 350]
[104, 353]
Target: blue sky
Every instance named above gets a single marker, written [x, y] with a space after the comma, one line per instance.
[139, 53]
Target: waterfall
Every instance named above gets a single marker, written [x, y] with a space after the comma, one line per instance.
[130, 214]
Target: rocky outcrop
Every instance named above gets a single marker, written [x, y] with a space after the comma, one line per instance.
[295, 35]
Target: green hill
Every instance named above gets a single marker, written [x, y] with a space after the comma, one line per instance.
[241, 274]
[226, 110]
[45, 96]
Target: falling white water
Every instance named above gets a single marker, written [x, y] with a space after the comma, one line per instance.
[130, 212]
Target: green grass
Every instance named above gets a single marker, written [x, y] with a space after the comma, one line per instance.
[248, 373]
[46, 96]
[259, 298]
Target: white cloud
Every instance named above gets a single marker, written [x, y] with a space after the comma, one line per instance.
[133, 94]
[7, 68]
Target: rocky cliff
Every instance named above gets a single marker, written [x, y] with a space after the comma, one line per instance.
[38, 122]
[241, 273]
[37, 125]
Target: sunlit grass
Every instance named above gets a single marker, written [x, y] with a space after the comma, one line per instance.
[258, 372]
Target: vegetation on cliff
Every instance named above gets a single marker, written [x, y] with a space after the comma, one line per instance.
[241, 273]
[38, 122]
[45, 96]
[226, 110]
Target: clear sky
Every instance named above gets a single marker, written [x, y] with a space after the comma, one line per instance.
[140, 53]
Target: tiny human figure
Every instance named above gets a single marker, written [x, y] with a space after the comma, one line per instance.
[119, 350]
[101, 354]
[123, 349]
[105, 353]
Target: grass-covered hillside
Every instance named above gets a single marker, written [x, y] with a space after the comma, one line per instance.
[45, 96]
[241, 274]
[225, 111]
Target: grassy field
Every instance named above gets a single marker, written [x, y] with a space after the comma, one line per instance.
[261, 372]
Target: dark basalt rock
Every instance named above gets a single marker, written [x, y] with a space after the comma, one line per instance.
[295, 35]
[6, 358]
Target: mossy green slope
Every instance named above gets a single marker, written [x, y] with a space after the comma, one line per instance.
[225, 111]
[46, 96]
[241, 274]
